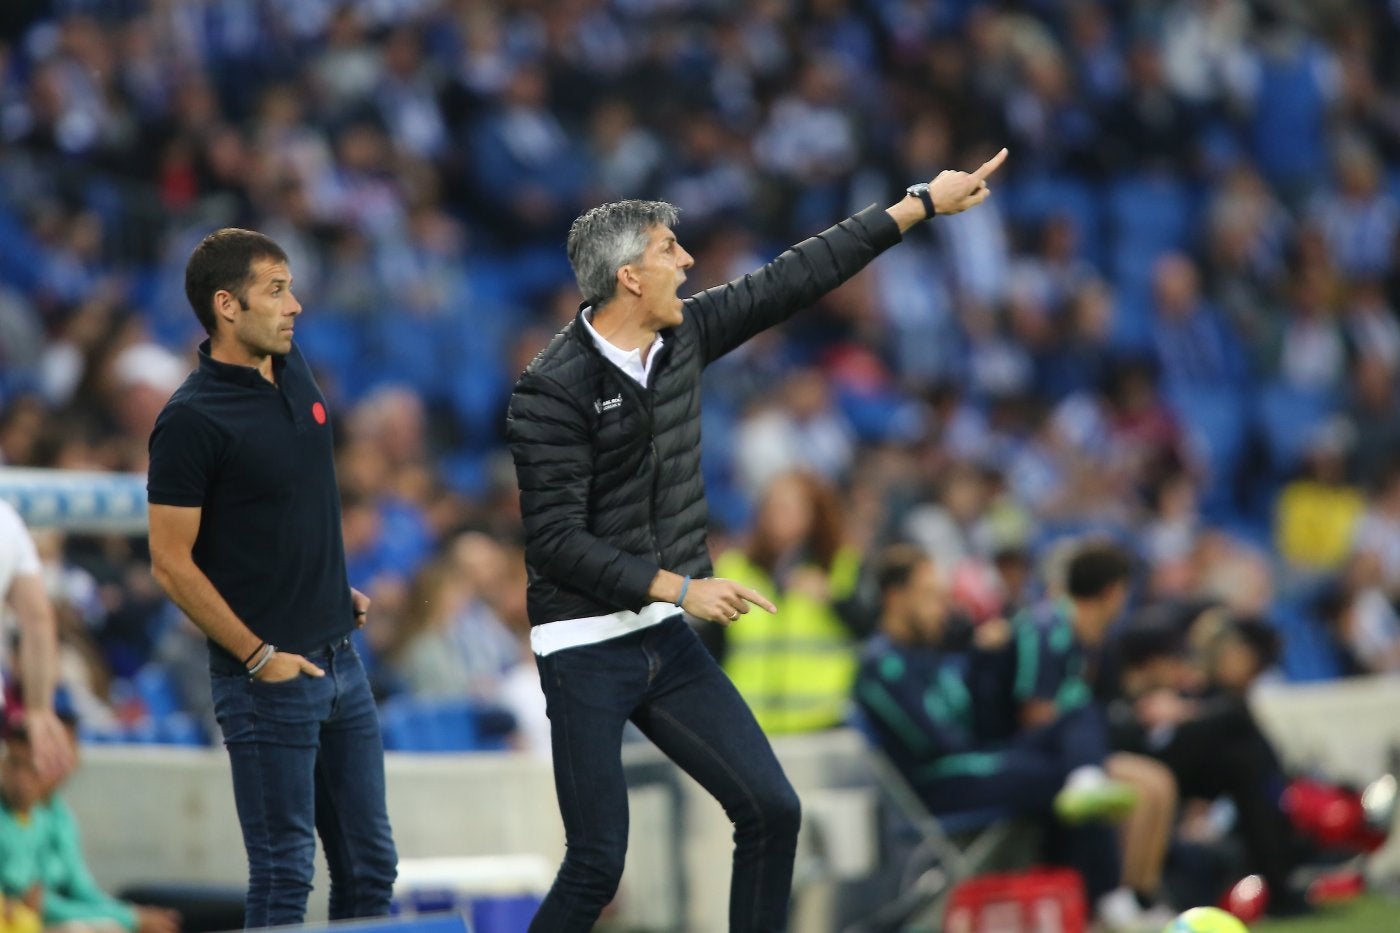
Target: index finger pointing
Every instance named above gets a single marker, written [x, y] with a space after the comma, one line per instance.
[991, 165]
[758, 599]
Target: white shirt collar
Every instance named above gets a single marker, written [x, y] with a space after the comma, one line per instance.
[629, 361]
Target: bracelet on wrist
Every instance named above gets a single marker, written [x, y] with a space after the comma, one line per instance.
[685, 586]
[268, 652]
[254, 653]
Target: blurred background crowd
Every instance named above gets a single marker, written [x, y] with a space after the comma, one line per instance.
[1174, 323]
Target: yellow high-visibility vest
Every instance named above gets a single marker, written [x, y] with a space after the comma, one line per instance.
[796, 668]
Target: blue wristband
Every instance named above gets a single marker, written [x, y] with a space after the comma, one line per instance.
[685, 585]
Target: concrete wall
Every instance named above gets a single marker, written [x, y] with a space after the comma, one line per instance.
[1346, 730]
[166, 814]
[155, 814]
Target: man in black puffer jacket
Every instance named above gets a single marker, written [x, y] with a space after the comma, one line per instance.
[604, 427]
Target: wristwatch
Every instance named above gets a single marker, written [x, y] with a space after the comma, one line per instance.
[920, 191]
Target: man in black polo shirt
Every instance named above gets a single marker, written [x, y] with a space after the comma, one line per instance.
[245, 538]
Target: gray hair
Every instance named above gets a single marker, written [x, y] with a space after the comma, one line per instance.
[610, 236]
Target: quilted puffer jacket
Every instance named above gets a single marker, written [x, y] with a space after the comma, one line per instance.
[609, 471]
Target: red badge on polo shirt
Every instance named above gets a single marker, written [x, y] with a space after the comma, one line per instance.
[318, 411]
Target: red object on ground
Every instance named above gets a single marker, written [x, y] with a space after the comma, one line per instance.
[1036, 901]
[1336, 886]
[1247, 898]
[1331, 815]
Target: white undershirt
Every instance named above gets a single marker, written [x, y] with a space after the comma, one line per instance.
[589, 630]
[629, 361]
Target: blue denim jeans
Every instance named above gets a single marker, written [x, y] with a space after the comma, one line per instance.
[1032, 769]
[307, 758]
[664, 680]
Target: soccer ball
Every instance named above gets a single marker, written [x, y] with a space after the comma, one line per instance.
[1206, 920]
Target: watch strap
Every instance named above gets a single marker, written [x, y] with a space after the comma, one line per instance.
[922, 193]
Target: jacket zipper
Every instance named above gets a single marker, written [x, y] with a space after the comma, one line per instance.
[651, 501]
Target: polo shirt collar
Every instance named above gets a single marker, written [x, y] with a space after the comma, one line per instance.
[240, 375]
[629, 361]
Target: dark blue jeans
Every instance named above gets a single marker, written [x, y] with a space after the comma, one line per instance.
[1031, 771]
[664, 680]
[307, 758]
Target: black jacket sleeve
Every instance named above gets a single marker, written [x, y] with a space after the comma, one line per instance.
[553, 452]
[729, 314]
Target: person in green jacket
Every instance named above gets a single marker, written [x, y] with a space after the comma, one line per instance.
[41, 855]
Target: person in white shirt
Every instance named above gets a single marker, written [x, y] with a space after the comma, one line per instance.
[22, 586]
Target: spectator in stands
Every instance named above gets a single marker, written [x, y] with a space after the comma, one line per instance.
[84, 678]
[72, 899]
[1361, 623]
[1288, 85]
[795, 669]
[449, 642]
[1151, 128]
[948, 527]
[299, 721]
[24, 830]
[41, 861]
[1311, 355]
[1369, 323]
[24, 592]
[809, 140]
[801, 428]
[525, 165]
[708, 176]
[1247, 229]
[914, 693]
[626, 154]
[1228, 569]
[1378, 531]
[1374, 416]
[1317, 512]
[1359, 220]
[1195, 345]
[613, 503]
[1169, 536]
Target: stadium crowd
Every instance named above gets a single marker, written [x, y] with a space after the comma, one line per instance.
[1174, 324]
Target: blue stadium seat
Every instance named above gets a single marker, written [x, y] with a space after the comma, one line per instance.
[1036, 199]
[466, 473]
[180, 728]
[1216, 425]
[1288, 417]
[1151, 211]
[411, 724]
[1308, 653]
[405, 348]
[21, 258]
[880, 416]
[477, 391]
[156, 690]
[504, 914]
[141, 732]
[332, 343]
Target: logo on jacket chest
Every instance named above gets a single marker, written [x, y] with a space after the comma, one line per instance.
[607, 404]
